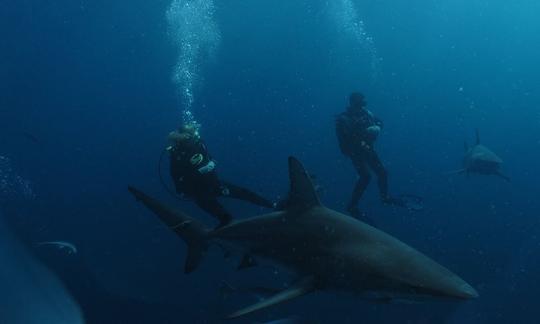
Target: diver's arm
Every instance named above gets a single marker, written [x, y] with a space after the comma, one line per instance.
[371, 126]
[203, 150]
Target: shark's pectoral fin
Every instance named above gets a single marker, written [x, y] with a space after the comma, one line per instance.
[303, 287]
[194, 257]
[503, 176]
[247, 262]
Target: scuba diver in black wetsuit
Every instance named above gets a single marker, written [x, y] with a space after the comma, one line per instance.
[194, 175]
[357, 130]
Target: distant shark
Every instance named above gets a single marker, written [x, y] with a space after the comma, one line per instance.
[481, 160]
[328, 250]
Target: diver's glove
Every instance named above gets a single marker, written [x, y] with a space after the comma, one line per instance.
[209, 167]
[373, 132]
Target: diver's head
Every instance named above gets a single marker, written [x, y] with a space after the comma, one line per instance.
[186, 132]
[357, 102]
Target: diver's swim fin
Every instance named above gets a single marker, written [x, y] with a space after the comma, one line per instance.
[355, 212]
[408, 201]
[412, 202]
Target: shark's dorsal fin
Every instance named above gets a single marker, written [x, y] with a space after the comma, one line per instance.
[302, 194]
[303, 287]
[477, 137]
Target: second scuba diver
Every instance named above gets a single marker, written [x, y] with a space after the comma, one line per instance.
[357, 130]
[193, 172]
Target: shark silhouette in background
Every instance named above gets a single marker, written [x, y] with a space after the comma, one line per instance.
[481, 160]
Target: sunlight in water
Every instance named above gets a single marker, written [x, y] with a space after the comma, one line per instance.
[196, 37]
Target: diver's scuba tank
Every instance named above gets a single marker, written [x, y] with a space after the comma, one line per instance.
[172, 192]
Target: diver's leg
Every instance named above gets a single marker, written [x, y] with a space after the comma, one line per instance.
[237, 192]
[212, 206]
[361, 184]
[380, 171]
[382, 180]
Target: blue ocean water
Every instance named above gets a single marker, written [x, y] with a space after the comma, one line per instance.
[90, 89]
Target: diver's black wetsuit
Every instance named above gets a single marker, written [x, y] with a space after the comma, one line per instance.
[194, 175]
[356, 143]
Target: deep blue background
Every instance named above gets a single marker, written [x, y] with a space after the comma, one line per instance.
[92, 81]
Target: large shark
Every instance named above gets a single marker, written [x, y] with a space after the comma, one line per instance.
[328, 250]
[481, 160]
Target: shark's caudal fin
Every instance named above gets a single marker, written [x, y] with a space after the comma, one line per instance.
[302, 193]
[503, 176]
[477, 137]
[303, 287]
[460, 171]
[189, 229]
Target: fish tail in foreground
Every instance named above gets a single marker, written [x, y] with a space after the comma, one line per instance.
[193, 232]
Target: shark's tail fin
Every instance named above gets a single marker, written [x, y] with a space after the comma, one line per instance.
[455, 172]
[193, 232]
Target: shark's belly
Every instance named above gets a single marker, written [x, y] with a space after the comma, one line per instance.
[482, 166]
[391, 266]
[342, 253]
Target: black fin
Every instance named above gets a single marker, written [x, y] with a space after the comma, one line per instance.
[247, 262]
[303, 195]
[194, 257]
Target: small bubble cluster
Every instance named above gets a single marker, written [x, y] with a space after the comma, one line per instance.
[13, 186]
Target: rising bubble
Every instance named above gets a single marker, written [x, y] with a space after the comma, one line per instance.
[196, 36]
